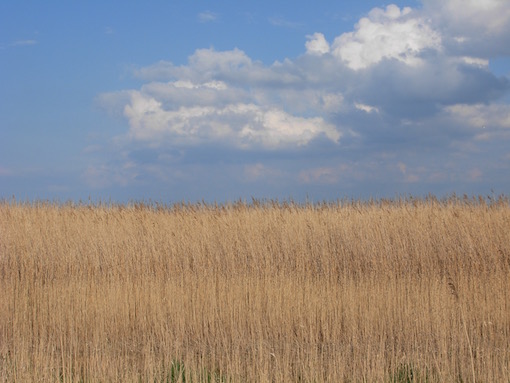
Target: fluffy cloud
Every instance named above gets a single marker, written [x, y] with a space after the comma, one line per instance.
[317, 44]
[477, 26]
[242, 125]
[403, 83]
[393, 63]
[386, 34]
[225, 97]
[468, 17]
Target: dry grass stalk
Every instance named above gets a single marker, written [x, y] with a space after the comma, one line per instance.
[255, 293]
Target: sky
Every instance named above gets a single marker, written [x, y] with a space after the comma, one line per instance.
[172, 101]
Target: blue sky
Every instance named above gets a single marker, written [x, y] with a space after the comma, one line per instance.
[192, 100]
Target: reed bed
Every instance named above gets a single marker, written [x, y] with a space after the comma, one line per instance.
[408, 290]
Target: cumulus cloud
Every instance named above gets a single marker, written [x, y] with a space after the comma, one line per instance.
[242, 125]
[232, 66]
[204, 62]
[317, 44]
[227, 98]
[402, 81]
[478, 26]
[386, 34]
[401, 69]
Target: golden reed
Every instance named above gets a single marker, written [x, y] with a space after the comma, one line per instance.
[387, 291]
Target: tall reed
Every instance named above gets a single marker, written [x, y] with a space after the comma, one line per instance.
[402, 290]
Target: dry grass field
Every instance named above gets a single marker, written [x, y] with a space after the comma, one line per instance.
[411, 290]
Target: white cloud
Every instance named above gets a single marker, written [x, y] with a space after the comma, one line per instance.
[392, 85]
[475, 61]
[317, 44]
[204, 98]
[386, 34]
[179, 93]
[481, 27]
[489, 16]
[481, 116]
[241, 125]
[275, 127]
[366, 108]
[203, 65]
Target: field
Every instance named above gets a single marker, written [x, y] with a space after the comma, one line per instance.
[409, 290]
